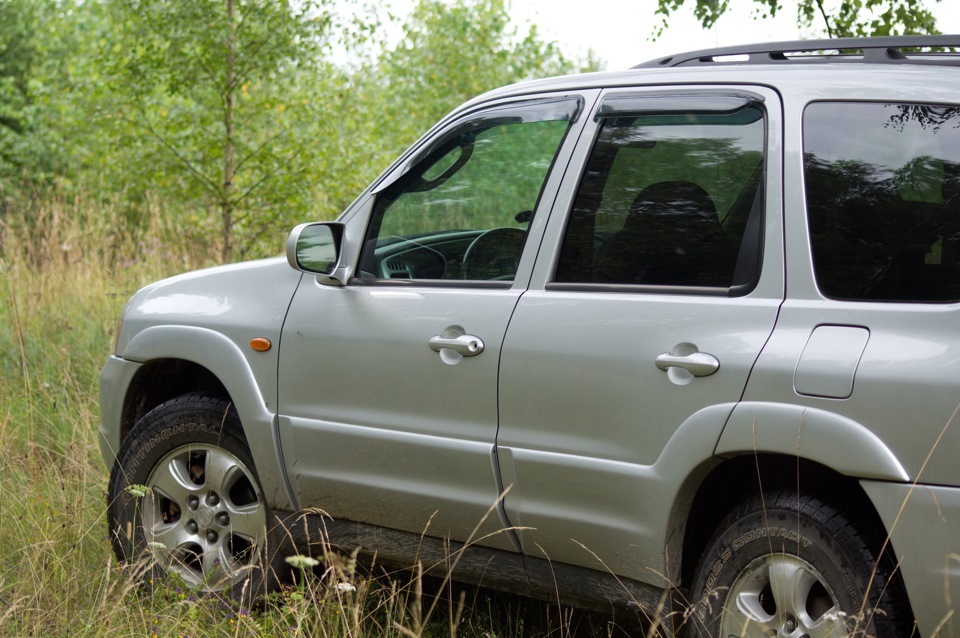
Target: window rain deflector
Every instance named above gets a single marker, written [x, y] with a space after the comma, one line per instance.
[562, 108]
[687, 103]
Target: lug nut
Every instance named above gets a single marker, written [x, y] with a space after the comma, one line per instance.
[193, 502]
[192, 527]
[223, 519]
[213, 499]
[212, 536]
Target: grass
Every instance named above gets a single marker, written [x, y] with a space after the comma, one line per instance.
[66, 269]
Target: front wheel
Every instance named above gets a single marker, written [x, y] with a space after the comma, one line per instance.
[185, 498]
[797, 567]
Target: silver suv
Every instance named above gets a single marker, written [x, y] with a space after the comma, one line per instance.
[683, 338]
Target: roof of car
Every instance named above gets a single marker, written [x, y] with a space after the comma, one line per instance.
[917, 60]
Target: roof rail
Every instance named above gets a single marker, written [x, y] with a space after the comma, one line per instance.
[886, 49]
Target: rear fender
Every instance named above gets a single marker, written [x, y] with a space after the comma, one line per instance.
[829, 439]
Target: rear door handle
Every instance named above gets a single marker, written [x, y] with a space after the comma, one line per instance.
[465, 345]
[699, 364]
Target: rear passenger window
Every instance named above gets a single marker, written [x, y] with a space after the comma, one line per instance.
[666, 200]
[883, 200]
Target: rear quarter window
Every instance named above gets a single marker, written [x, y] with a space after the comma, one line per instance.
[882, 184]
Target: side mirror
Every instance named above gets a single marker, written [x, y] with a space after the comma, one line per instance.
[315, 248]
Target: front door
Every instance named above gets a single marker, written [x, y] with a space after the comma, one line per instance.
[388, 385]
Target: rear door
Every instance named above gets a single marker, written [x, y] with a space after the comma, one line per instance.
[636, 339]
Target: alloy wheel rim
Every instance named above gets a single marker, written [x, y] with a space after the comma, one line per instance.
[782, 595]
[205, 519]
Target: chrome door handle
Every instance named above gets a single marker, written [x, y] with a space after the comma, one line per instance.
[465, 345]
[699, 364]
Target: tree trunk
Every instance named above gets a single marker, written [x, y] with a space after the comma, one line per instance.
[226, 202]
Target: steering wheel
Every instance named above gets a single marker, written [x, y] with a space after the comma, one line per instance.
[494, 255]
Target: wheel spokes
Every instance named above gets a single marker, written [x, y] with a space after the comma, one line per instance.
[172, 479]
[782, 595]
[220, 471]
[790, 583]
[248, 521]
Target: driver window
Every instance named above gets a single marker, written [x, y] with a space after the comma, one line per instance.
[461, 213]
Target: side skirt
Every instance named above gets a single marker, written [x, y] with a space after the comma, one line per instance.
[511, 572]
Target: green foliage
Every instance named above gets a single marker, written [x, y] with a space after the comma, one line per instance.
[210, 88]
[847, 18]
[453, 51]
[242, 125]
[38, 68]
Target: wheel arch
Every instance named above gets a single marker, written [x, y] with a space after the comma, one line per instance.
[830, 439]
[738, 478]
[177, 360]
[767, 446]
[160, 380]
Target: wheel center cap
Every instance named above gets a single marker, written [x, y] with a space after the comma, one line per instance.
[204, 517]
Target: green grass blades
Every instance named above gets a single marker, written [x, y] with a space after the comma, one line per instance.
[66, 270]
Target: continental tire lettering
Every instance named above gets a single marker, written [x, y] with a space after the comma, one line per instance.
[725, 555]
[789, 535]
[850, 584]
[167, 433]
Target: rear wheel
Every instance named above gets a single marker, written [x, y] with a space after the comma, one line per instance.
[185, 498]
[796, 567]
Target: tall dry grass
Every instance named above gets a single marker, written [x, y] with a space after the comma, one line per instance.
[67, 266]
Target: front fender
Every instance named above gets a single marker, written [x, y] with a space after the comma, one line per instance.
[224, 359]
[829, 439]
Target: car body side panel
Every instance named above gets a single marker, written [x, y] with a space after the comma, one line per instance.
[592, 428]
[209, 317]
[923, 521]
[371, 415]
[907, 383]
[613, 515]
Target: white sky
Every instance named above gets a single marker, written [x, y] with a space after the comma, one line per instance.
[619, 30]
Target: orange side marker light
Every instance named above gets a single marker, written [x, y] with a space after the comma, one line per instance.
[260, 344]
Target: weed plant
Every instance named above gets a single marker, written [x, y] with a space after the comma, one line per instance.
[67, 266]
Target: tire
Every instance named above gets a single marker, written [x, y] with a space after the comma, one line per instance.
[204, 517]
[794, 566]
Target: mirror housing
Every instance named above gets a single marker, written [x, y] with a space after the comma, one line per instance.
[315, 248]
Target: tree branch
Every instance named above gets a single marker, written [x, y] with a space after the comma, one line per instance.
[144, 124]
[257, 150]
[826, 18]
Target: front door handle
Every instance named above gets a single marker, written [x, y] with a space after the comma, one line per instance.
[699, 364]
[465, 345]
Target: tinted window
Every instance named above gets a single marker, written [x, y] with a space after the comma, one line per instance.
[882, 184]
[462, 211]
[666, 201]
